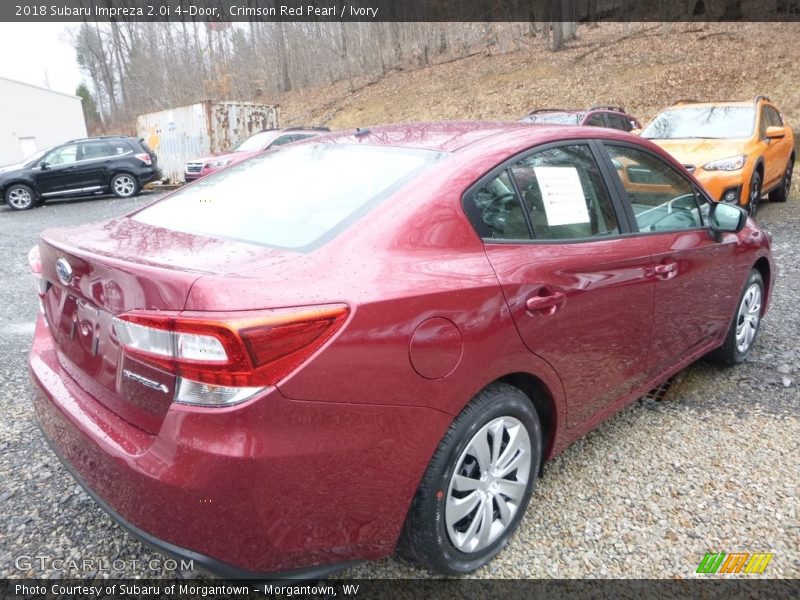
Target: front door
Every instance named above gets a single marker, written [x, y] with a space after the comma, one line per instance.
[57, 172]
[696, 282]
[578, 296]
[776, 155]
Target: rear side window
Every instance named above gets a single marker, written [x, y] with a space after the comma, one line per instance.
[499, 211]
[296, 198]
[94, 150]
[553, 194]
[596, 120]
[564, 194]
[618, 122]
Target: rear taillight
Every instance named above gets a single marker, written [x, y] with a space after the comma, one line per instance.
[145, 158]
[224, 358]
[35, 264]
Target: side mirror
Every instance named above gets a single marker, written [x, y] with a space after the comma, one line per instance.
[43, 166]
[726, 218]
[775, 133]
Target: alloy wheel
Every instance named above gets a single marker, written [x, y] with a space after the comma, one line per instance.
[755, 195]
[488, 484]
[787, 180]
[20, 198]
[124, 185]
[748, 318]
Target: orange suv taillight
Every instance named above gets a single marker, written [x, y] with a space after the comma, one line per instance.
[224, 358]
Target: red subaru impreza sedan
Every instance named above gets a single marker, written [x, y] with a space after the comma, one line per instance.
[372, 340]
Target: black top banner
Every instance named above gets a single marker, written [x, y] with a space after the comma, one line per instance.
[226, 11]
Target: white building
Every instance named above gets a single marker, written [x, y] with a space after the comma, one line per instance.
[33, 118]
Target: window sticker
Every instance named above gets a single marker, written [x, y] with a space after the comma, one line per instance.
[562, 195]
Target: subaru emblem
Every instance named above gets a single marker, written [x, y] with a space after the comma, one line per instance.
[64, 271]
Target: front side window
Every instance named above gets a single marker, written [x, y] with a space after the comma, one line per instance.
[661, 199]
[63, 155]
[774, 117]
[294, 198]
[702, 122]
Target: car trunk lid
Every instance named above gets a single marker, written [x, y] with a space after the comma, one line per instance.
[96, 272]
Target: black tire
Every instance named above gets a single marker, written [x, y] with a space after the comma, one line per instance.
[124, 185]
[731, 352]
[425, 538]
[754, 194]
[19, 196]
[781, 193]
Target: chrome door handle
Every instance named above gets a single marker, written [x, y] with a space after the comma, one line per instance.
[666, 270]
[547, 304]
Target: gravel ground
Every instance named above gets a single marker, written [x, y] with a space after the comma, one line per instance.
[713, 467]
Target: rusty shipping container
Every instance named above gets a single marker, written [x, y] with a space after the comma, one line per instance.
[181, 134]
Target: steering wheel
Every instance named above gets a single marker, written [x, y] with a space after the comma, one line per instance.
[679, 219]
[496, 206]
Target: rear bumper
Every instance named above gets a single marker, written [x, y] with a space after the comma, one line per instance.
[269, 487]
[197, 560]
[150, 175]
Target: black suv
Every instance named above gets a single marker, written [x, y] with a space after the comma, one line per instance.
[116, 164]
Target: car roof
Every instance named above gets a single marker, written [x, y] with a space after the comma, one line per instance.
[100, 138]
[439, 136]
[570, 111]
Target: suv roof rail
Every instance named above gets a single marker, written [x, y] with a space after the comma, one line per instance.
[544, 110]
[97, 137]
[606, 107]
[761, 97]
[300, 127]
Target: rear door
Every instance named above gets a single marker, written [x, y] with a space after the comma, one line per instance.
[695, 276]
[94, 164]
[580, 298]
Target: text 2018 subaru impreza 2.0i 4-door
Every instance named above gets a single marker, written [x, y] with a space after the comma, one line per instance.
[373, 341]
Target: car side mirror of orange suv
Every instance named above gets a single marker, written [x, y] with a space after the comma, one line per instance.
[775, 133]
[725, 218]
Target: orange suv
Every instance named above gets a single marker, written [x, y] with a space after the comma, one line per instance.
[738, 150]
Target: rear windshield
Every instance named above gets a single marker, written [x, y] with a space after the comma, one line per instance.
[256, 142]
[559, 118]
[296, 197]
[712, 122]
